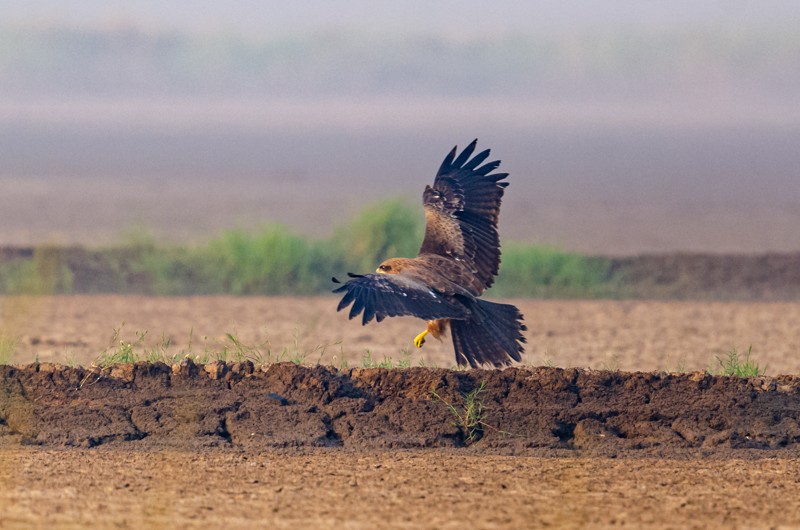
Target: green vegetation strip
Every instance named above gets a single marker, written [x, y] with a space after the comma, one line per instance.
[274, 261]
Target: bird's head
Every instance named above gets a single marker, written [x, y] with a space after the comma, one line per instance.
[391, 266]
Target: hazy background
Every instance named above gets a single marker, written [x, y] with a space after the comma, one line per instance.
[627, 126]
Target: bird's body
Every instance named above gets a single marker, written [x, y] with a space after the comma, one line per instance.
[458, 260]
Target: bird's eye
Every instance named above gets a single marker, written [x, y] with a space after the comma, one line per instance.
[385, 268]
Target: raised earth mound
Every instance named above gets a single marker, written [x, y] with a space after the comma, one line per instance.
[284, 405]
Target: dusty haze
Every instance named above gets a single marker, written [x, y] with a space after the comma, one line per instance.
[641, 128]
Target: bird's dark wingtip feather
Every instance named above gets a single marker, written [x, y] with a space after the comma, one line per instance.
[346, 299]
[448, 160]
[358, 306]
[465, 154]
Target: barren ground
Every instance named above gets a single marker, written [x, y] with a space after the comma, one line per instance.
[79, 488]
[237, 446]
[626, 335]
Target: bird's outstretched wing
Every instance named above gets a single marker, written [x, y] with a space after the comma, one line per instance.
[391, 295]
[461, 212]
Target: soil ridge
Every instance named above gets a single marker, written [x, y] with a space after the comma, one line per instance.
[239, 405]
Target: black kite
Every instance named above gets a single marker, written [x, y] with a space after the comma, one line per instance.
[458, 260]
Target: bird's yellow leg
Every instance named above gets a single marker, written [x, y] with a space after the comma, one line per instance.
[419, 340]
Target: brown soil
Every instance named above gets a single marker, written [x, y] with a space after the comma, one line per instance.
[236, 446]
[629, 335]
[446, 489]
[544, 410]
[230, 444]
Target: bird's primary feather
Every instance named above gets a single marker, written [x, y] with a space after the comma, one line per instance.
[461, 213]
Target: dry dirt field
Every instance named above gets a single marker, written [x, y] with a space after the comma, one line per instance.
[188, 446]
[79, 488]
[625, 335]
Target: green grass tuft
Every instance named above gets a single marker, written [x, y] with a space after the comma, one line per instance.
[388, 363]
[468, 414]
[231, 349]
[121, 351]
[736, 365]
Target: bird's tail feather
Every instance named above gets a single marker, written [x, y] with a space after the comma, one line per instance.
[493, 336]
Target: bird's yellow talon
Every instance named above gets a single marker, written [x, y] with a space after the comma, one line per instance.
[419, 340]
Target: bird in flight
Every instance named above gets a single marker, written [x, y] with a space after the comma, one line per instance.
[458, 260]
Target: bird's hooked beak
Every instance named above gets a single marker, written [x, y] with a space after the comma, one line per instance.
[379, 271]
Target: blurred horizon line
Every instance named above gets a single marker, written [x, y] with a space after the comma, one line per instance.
[375, 113]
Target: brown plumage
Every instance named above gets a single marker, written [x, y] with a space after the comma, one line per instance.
[457, 262]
